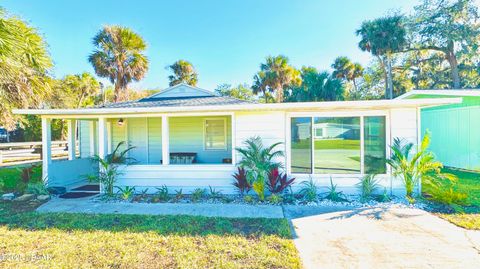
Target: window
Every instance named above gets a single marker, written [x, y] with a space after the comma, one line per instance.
[375, 145]
[215, 137]
[338, 150]
[301, 145]
[333, 145]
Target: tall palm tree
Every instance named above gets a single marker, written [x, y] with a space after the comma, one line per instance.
[384, 37]
[24, 66]
[183, 72]
[275, 76]
[347, 70]
[118, 56]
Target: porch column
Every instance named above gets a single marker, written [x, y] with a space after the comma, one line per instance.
[92, 134]
[71, 139]
[165, 141]
[102, 137]
[46, 147]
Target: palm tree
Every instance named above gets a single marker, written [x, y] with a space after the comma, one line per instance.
[119, 57]
[183, 72]
[347, 70]
[316, 86]
[275, 76]
[24, 66]
[383, 37]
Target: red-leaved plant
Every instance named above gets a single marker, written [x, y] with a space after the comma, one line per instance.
[278, 182]
[241, 181]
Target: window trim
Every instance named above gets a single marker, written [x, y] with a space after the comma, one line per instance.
[225, 135]
[361, 115]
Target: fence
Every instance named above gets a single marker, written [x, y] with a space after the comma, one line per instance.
[29, 152]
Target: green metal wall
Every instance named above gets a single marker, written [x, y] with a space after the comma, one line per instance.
[455, 132]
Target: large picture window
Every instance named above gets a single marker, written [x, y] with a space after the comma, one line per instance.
[333, 145]
[337, 151]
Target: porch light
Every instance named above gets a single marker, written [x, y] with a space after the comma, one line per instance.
[120, 122]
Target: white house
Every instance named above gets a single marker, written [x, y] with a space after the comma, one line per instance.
[185, 137]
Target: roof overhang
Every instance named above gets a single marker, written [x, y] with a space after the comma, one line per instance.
[303, 106]
[453, 92]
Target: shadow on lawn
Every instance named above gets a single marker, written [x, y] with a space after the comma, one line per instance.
[14, 218]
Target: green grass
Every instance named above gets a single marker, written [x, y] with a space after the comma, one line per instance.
[328, 144]
[10, 177]
[469, 183]
[133, 241]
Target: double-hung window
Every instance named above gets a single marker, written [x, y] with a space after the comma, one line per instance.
[215, 134]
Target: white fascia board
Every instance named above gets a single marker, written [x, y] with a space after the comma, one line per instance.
[335, 105]
[179, 85]
[466, 92]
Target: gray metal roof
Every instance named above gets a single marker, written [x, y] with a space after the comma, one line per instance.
[178, 102]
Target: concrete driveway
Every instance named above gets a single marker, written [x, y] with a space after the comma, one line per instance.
[382, 238]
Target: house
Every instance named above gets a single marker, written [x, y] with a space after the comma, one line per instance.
[185, 137]
[454, 128]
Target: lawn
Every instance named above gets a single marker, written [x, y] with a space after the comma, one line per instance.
[52, 240]
[468, 183]
[10, 177]
[328, 144]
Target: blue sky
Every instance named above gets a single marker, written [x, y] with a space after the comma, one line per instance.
[225, 40]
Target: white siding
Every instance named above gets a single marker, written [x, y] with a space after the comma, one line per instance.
[154, 140]
[272, 127]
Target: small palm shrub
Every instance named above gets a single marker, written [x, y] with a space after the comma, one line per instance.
[214, 194]
[161, 195]
[384, 197]
[108, 168]
[367, 186]
[127, 192]
[278, 182]
[241, 182]
[308, 190]
[448, 196]
[275, 198]
[258, 160]
[179, 195]
[412, 168]
[248, 199]
[333, 194]
[198, 194]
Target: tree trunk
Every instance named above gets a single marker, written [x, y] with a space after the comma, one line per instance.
[354, 85]
[116, 93]
[452, 60]
[389, 77]
[279, 95]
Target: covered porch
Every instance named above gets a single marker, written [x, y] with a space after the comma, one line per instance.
[177, 150]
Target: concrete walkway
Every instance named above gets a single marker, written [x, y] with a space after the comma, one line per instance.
[383, 238]
[87, 205]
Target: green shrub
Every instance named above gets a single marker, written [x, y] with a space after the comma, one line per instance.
[384, 197]
[161, 194]
[179, 195]
[214, 194]
[275, 198]
[36, 188]
[367, 186]
[333, 194]
[198, 194]
[248, 199]
[448, 196]
[309, 190]
[127, 192]
[259, 188]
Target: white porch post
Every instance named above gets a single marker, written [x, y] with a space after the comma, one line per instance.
[102, 137]
[71, 137]
[46, 147]
[92, 135]
[165, 141]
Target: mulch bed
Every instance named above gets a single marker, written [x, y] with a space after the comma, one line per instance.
[73, 195]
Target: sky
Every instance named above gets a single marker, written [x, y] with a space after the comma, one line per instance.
[225, 40]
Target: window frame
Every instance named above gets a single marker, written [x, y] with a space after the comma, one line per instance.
[361, 115]
[225, 135]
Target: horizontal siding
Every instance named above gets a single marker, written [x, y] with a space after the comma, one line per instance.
[154, 140]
